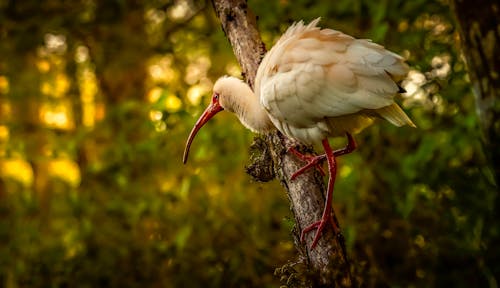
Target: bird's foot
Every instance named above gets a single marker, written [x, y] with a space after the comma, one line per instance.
[319, 226]
[317, 160]
[311, 161]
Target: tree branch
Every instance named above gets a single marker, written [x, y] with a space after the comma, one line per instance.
[327, 263]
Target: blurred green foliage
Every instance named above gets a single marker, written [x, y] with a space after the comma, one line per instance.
[98, 97]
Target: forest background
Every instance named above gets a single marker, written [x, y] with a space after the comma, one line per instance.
[97, 99]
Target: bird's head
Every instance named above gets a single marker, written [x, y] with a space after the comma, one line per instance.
[233, 95]
[221, 99]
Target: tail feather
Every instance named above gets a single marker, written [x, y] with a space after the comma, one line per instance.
[394, 114]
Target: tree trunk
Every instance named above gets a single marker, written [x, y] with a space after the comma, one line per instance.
[327, 263]
[480, 36]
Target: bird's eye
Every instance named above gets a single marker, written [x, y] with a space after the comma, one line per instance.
[216, 96]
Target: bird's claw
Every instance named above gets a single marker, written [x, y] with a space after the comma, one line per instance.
[311, 161]
[318, 226]
[315, 225]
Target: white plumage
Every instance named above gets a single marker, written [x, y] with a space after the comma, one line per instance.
[313, 84]
[312, 76]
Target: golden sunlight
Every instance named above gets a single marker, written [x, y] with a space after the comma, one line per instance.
[66, 170]
[88, 86]
[180, 10]
[18, 170]
[161, 71]
[43, 65]
[154, 94]
[4, 133]
[5, 110]
[173, 103]
[4, 85]
[195, 93]
[59, 116]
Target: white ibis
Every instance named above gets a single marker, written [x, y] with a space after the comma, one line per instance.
[313, 84]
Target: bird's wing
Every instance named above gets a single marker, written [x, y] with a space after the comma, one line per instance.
[312, 74]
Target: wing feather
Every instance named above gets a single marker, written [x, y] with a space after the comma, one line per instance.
[312, 74]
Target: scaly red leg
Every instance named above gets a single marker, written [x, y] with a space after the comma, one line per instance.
[332, 170]
[326, 218]
[351, 146]
[316, 160]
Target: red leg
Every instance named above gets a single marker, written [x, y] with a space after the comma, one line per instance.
[351, 146]
[316, 160]
[326, 218]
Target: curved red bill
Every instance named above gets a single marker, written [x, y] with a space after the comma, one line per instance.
[210, 112]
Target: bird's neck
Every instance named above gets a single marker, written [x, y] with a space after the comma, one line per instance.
[249, 110]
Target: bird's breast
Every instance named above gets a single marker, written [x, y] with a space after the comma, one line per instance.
[287, 97]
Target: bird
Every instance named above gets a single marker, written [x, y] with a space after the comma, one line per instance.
[315, 83]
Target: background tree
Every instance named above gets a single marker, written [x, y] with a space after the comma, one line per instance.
[480, 38]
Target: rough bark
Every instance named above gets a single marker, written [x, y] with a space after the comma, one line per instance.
[327, 263]
[480, 36]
